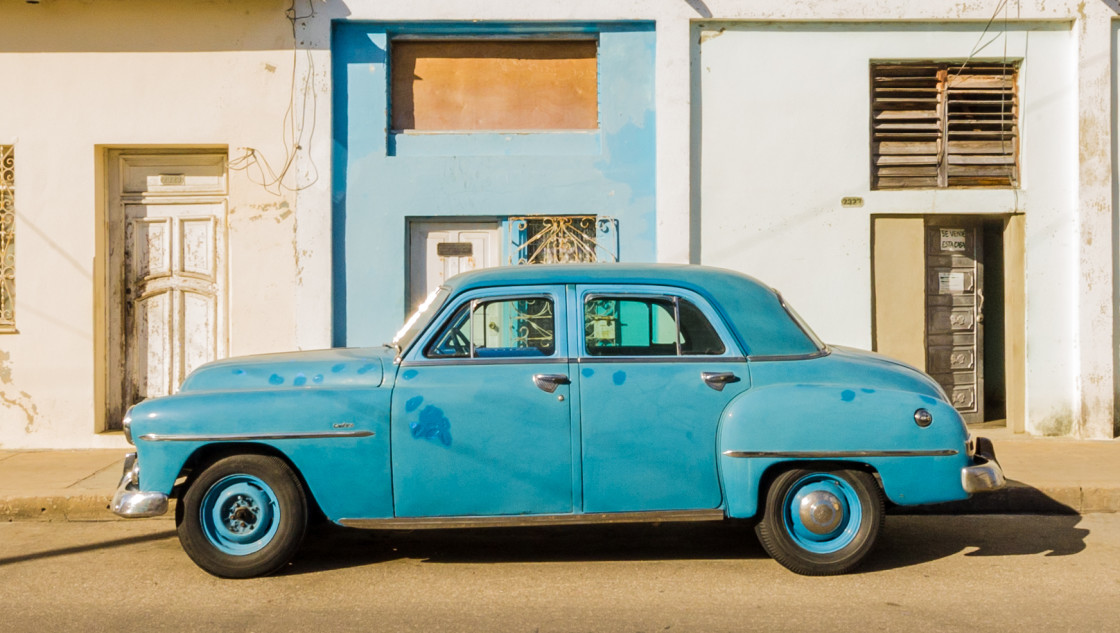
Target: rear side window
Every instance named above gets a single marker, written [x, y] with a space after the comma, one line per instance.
[498, 328]
[647, 326]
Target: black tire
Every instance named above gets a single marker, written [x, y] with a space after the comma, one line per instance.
[839, 517]
[243, 516]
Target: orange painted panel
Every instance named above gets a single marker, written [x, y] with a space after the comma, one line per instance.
[494, 85]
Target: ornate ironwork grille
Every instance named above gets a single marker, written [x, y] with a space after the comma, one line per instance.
[7, 238]
[563, 239]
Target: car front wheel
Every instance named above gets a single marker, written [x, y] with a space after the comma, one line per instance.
[821, 522]
[244, 516]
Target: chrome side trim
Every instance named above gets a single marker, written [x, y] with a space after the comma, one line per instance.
[440, 523]
[810, 356]
[834, 454]
[590, 360]
[513, 360]
[235, 437]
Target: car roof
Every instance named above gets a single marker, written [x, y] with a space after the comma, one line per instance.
[689, 276]
[756, 312]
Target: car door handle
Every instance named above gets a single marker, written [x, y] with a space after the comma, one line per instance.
[549, 382]
[719, 379]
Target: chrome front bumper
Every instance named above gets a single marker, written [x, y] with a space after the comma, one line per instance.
[131, 502]
[985, 474]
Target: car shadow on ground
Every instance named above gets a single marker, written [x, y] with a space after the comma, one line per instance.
[906, 540]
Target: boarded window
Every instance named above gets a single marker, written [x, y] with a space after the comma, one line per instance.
[944, 125]
[470, 85]
[7, 238]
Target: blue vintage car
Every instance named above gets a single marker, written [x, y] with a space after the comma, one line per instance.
[539, 395]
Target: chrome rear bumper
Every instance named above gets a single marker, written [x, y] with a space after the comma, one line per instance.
[131, 502]
[985, 474]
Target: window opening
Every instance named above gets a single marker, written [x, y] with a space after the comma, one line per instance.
[563, 239]
[648, 326]
[500, 328]
[938, 125]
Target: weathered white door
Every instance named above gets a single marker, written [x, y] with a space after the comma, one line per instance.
[167, 272]
[440, 249]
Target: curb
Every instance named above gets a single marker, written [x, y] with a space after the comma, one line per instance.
[61, 508]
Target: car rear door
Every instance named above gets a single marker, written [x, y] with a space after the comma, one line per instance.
[656, 368]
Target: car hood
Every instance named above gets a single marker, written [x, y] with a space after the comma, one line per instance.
[349, 367]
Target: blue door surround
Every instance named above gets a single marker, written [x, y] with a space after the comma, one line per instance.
[380, 179]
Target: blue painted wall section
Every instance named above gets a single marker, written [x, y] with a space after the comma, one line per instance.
[380, 179]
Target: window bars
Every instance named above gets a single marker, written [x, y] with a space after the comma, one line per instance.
[563, 239]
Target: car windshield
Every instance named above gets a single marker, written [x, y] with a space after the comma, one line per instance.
[419, 319]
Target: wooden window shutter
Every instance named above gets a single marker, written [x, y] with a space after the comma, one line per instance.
[944, 125]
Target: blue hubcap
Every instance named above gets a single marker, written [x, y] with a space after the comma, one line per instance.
[822, 513]
[240, 514]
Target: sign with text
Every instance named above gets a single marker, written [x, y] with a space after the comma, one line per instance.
[953, 240]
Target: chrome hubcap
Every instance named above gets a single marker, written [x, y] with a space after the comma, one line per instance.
[820, 512]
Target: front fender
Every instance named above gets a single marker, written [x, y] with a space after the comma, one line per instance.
[337, 439]
[772, 426]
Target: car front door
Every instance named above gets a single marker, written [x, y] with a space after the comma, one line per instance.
[481, 418]
[656, 368]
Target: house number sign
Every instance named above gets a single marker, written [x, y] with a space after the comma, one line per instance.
[952, 240]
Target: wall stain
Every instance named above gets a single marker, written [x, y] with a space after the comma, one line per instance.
[24, 402]
[706, 36]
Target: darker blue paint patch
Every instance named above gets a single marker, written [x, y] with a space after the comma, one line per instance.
[618, 377]
[276, 379]
[866, 390]
[339, 367]
[588, 372]
[432, 425]
[927, 400]
[317, 379]
[300, 380]
[365, 368]
[413, 404]
[847, 395]
[238, 372]
[409, 375]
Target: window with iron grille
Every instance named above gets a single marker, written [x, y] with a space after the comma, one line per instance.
[563, 239]
[937, 125]
[7, 239]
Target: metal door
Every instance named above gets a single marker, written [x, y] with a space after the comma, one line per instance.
[167, 279]
[954, 313]
[442, 249]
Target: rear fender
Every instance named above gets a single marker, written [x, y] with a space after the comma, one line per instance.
[781, 426]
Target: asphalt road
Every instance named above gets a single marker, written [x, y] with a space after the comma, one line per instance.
[929, 573]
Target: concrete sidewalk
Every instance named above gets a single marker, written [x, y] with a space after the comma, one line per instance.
[1045, 476]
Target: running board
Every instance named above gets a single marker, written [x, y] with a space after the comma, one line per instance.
[440, 523]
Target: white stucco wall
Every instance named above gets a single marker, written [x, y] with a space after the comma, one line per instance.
[79, 77]
[785, 137]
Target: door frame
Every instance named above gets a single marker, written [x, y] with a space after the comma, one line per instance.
[110, 200]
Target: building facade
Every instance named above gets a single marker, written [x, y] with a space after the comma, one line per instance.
[185, 181]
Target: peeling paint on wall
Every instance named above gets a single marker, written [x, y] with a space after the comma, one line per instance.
[23, 401]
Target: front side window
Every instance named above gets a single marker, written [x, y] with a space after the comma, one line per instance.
[647, 326]
[522, 327]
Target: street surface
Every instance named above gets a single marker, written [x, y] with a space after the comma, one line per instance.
[929, 573]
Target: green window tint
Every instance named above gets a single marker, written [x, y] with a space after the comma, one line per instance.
[500, 328]
[653, 326]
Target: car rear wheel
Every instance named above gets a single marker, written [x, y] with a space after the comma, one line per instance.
[821, 522]
[244, 516]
